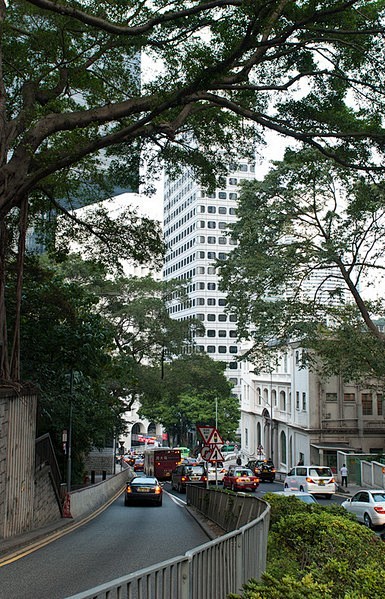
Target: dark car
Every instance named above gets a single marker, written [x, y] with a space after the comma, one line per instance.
[264, 469]
[188, 474]
[143, 489]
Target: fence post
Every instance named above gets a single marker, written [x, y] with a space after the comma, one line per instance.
[185, 579]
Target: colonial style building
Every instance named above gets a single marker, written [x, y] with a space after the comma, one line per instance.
[295, 415]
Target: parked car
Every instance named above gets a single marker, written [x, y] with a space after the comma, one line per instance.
[188, 474]
[143, 489]
[240, 479]
[368, 505]
[302, 495]
[264, 469]
[220, 472]
[318, 480]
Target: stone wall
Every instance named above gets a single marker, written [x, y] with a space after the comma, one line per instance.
[45, 506]
[100, 461]
[17, 460]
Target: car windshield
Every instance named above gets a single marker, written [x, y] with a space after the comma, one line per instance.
[195, 470]
[243, 473]
[320, 472]
[378, 497]
[144, 482]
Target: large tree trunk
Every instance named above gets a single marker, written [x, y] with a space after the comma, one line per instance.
[15, 354]
[4, 360]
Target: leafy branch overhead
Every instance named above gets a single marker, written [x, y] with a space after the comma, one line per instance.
[311, 240]
[311, 72]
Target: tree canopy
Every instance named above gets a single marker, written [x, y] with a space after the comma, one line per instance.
[193, 390]
[75, 116]
[311, 239]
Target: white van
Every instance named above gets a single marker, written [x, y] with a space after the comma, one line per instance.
[318, 480]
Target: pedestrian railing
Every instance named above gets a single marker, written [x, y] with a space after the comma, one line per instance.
[210, 571]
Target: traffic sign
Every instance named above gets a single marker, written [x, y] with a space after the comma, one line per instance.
[205, 432]
[215, 438]
[216, 455]
[206, 452]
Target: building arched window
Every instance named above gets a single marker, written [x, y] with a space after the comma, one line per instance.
[151, 429]
[273, 397]
[282, 401]
[259, 435]
[283, 447]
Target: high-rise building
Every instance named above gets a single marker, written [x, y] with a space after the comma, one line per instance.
[196, 225]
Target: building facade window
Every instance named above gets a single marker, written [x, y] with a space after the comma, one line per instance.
[367, 404]
[303, 400]
[297, 400]
[283, 447]
[331, 396]
[349, 397]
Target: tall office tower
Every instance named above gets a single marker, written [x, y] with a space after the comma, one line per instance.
[195, 230]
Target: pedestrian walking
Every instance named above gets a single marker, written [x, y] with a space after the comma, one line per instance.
[344, 475]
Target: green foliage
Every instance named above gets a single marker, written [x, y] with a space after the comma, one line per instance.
[281, 506]
[318, 553]
[307, 221]
[187, 395]
[62, 332]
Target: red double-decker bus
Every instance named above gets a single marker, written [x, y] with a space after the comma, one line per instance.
[161, 461]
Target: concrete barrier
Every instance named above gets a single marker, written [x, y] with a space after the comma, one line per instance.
[88, 499]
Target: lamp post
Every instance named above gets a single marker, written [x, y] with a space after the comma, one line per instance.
[69, 437]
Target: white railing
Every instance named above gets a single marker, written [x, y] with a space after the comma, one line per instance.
[210, 571]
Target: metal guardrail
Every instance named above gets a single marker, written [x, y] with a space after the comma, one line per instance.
[210, 571]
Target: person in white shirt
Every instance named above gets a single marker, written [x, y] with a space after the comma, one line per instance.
[344, 475]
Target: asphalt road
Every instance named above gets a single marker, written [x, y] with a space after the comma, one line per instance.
[119, 541]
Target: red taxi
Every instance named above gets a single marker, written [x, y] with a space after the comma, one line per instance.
[240, 479]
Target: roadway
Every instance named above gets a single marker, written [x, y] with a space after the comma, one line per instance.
[119, 541]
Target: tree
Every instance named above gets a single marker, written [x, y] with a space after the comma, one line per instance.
[136, 308]
[310, 221]
[62, 333]
[188, 394]
[73, 114]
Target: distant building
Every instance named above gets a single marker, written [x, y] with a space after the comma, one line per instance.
[196, 225]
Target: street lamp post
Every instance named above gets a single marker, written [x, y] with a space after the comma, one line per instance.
[69, 438]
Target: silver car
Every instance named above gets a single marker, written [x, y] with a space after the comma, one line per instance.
[368, 505]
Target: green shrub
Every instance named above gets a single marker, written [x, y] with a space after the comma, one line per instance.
[320, 553]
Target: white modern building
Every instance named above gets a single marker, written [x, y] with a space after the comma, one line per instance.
[196, 226]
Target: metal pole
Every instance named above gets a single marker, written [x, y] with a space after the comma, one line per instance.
[216, 428]
[69, 440]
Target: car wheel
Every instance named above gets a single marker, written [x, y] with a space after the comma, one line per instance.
[233, 488]
[328, 496]
[159, 503]
[367, 521]
[125, 502]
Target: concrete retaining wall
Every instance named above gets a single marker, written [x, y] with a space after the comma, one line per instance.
[46, 508]
[90, 498]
